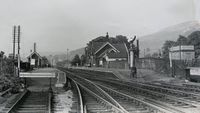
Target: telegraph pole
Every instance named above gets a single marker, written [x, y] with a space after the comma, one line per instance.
[14, 32]
[19, 32]
[14, 39]
[67, 57]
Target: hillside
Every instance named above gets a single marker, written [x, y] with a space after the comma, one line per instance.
[60, 56]
[80, 52]
[156, 40]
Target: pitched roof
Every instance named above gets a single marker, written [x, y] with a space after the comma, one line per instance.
[33, 54]
[97, 45]
[107, 43]
[120, 49]
[123, 53]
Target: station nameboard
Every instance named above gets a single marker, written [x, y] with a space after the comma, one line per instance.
[178, 48]
[195, 71]
[182, 53]
[32, 61]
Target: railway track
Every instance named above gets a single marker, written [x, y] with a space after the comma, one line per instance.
[193, 86]
[31, 102]
[168, 103]
[77, 100]
[126, 104]
[69, 100]
[189, 95]
[183, 87]
[175, 98]
[100, 96]
[186, 97]
[92, 104]
[93, 92]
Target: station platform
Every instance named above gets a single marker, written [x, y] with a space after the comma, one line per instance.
[41, 73]
[45, 70]
[143, 75]
[43, 78]
[123, 74]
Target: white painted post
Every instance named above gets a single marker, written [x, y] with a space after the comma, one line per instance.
[131, 59]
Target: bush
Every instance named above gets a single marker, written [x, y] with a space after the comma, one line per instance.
[10, 82]
[7, 79]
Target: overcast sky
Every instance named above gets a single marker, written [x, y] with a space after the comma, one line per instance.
[56, 25]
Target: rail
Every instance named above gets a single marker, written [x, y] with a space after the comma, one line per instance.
[80, 98]
[49, 102]
[180, 96]
[177, 87]
[17, 102]
[102, 99]
[157, 108]
[153, 106]
[178, 93]
[113, 105]
[107, 95]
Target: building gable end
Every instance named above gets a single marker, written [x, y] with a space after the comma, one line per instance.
[116, 50]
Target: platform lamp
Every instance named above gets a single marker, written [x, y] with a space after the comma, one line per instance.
[133, 51]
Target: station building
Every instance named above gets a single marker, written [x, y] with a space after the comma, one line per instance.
[112, 56]
[36, 60]
[107, 54]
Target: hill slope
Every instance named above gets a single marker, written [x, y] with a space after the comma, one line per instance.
[156, 40]
[80, 52]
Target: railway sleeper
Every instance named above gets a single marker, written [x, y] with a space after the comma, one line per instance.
[137, 105]
[153, 97]
[174, 94]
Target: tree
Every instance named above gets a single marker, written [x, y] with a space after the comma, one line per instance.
[76, 60]
[122, 39]
[1, 61]
[100, 39]
[83, 60]
[165, 49]
[45, 62]
[155, 55]
[182, 40]
[194, 39]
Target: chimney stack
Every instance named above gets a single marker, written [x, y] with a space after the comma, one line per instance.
[34, 47]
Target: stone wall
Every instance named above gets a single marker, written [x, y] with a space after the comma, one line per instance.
[163, 66]
[157, 64]
[118, 64]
